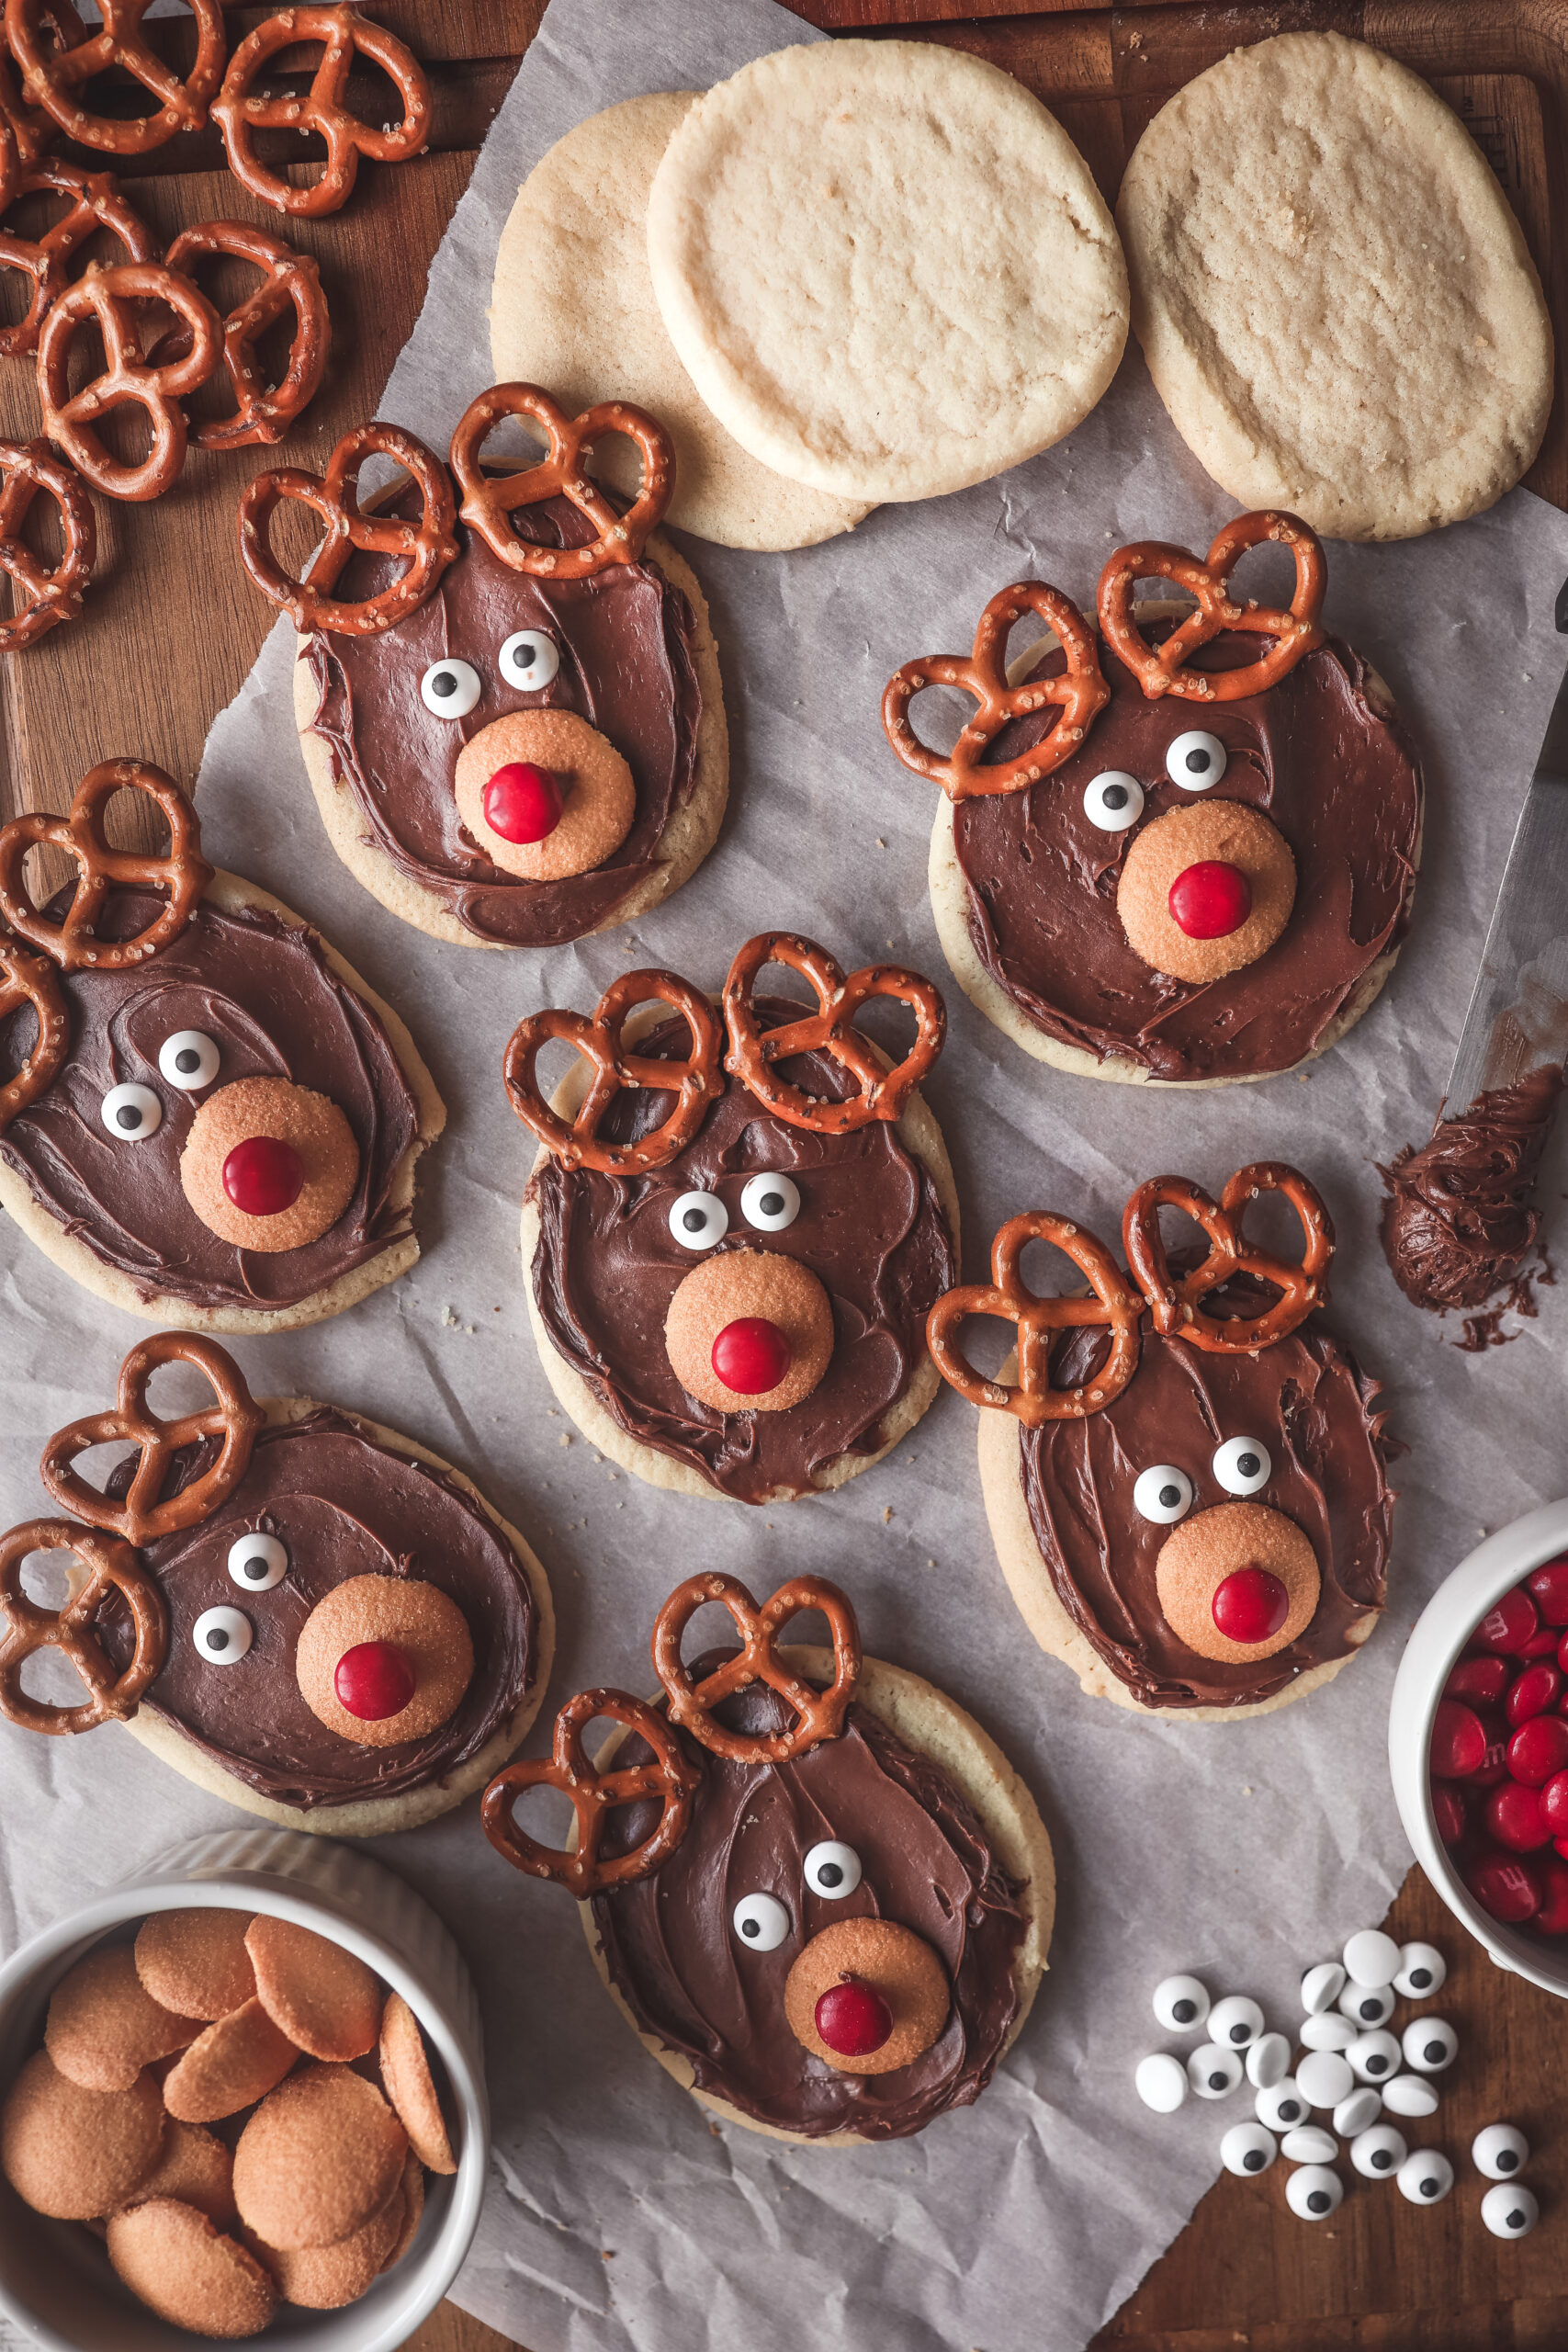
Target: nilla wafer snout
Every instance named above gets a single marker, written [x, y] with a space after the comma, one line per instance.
[104, 2025]
[75, 2153]
[194, 1962]
[405, 2072]
[322, 2155]
[237, 2060]
[322, 1997]
[189, 2272]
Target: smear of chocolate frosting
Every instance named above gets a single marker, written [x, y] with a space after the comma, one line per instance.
[263, 990]
[1459, 1215]
[625, 640]
[1337, 778]
[926, 1864]
[870, 1227]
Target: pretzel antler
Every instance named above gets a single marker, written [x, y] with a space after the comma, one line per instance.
[1176, 1303]
[1161, 669]
[25, 1628]
[30, 979]
[595, 1796]
[1080, 693]
[880, 1093]
[695, 1083]
[819, 1715]
[141, 1517]
[183, 874]
[1113, 1305]
[490, 501]
[429, 544]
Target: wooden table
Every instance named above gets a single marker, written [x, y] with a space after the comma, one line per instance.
[173, 629]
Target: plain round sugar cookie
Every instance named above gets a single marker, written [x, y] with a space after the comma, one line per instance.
[1335, 301]
[885, 267]
[579, 222]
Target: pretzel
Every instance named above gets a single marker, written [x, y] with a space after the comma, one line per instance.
[1008, 1297]
[819, 1714]
[96, 203]
[695, 1083]
[1175, 1301]
[490, 499]
[428, 544]
[290, 279]
[34, 130]
[595, 1796]
[44, 597]
[1080, 693]
[25, 1628]
[30, 979]
[128, 379]
[52, 73]
[1161, 670]
[883, 1091]
[182, 873]
[238, 115]
[140, 1518]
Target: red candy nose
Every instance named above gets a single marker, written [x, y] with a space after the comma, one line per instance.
[522, 803]
[374, 1680]
[852, 2019]
[263, 1176]
[1250, 1605]
[1211, 899]
[751, 1356]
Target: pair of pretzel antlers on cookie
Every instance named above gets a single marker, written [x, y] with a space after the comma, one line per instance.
[1081, 692]
[1175, 1301]
[881, 1091]
[670, 1778]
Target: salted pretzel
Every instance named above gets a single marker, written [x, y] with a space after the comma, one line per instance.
[819, 1715]
[1176, 1301]
[428, 545]
[96, 203]
[290, 280]
[881, 1091]
[108, 296]
[54, 72]
[182, 873]
[26, 1628]
[1112, 1304]
[342, 31]
[141, 1517]
[30, 979]
[34, 130]
[1080, 693]
[45, 595]
[595, 1796]
[1161, 669]
[490, 501]
[695, 1083]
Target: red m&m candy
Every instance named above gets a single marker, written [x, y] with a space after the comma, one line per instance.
[1532, 1692]
[1508, 1886]
[1552, 1920]
[263, 1176]
[1480, 1681]
[1513, 1816]
[1509, 1625]
[1459, 1741]
[750, 1355]
[853, 2019]
[1554, 1803]
[522, 803]
[1250, 1605]
[1211, 899]
[1548, 1587]
[1538, 1749]
[1448, 1811]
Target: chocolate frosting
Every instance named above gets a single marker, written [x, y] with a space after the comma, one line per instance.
[1314, 1410]
[1329, 769]
[926, 1864]
[263, 990]
[871, 1228]
[346, 1506]
[626, 639]
[1458, 1216]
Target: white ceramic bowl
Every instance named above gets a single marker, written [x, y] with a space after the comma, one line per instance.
[56, 2282]
[1440, 1633]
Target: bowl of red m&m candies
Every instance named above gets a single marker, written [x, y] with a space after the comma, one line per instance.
[1478, 1744]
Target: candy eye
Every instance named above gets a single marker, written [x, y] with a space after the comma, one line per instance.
[222, 1635]
[450, 688]
[770, 1202]
[1113, 801]
[258, 1562]
[1242, 1465]
[698, 1220]
[1163, 1494]
[761, 1921]
[833, 1870]
[131, 1114]
[188, 1059]
[529, 660]
[1195, 760]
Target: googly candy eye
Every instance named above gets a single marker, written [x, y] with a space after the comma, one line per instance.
[1236, 2021]
[188, 1059]
[1160, 2082]
[1356, 2113]
[1163, 1494]
[1430, 2044]
[1321, 1987]
[222, 1635]
[1375, 2057]
[1371, 1958]
[131, 1114]
[1181, 2003]
[833, 1870]
[257, 1563]
[1281, 2106]
[1314, 2193]
[450, 688]
[1500, 2150]
[1425, 2177]
[1509, 2210]
[1215, 2072]
[1378, 2153]
[1422, 1970]
[1410, 2095]
[1367, 2005]
[761, 1921]
[1243, 1464]
[1113, 801]
[1269, 2060]
[1195, 760]
[1329, 2032]
[1248, 2148]
[1309, 2143]
[1325, 2078]
[770, 1202]
[697, 1220]
[529, 660]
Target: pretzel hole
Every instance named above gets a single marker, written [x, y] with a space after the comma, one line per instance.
[544, 1814]
[944, 711]
[984, 1342]
[780, 995]
[654, 1031]
[30, 218]
[49, 1579]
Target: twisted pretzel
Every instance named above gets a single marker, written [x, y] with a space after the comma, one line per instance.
[182, 873]
[29, 979]
[1008, 1297]
[129, 378]
[140, 1518]
[490, 501]
[1161, 670]
[96, 203]
[595, 1796]
[695, 1083]
[883, 1092]
[291, 280]
[1175, 1303]
[819, 1714]
[45, 597]
[428, 544]
[25, 1628]
[32, 129]
[52, 73]
[1080, 693]
[238, 115]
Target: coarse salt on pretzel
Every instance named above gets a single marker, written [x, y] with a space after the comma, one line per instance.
[55, 72]
[26, 979]
[290, 280]
[1079, 694]
[1112, 1304]
[45, 594]
[1161, 669]
[33, 132]
[490, 501]
[141, 1517]
[182, 873]
[819, 1715]
[881, 1092]
[594, 1795]
[128, 379]
[96, 203]
[429, 544]
[1175, 1301]
[26, 1627]
[342, 31]
[695, 1083]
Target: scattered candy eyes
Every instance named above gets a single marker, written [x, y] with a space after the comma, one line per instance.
[833, 1870]
[1248, 2148]
[450, 688]
[1367, 2005]
[1328, 2031]
[761, 1921]
[1314, 2192]
[1429, 2045]
[1160, 2082]
[188, 1059]
[1321, 1987]
[1236, 2021]
[131, 1114]
[1357, 2114]
[1269, 2060]
[1215, 2072]
[1280, 2105]
[1163, 1494]
[1509, 2210]
[1371, 1958]
[1243, 1464]
[698, 1219]
[1309, 2143]
[529, 660]
[1378, 2152]
[1375, 2057]
[1195, 760]
[1181, 2003]
[257, 1562]
[1410, 2095]
[1113, 801]
[1325, 2078]
[222, 1635]
[1425, 2177]
[1500, 2150]
[770, 1202]
[1422, 1972]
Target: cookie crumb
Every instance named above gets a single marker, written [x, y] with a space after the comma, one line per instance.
[887, 1514]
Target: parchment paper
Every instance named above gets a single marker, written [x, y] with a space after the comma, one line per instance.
[618, 2215]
